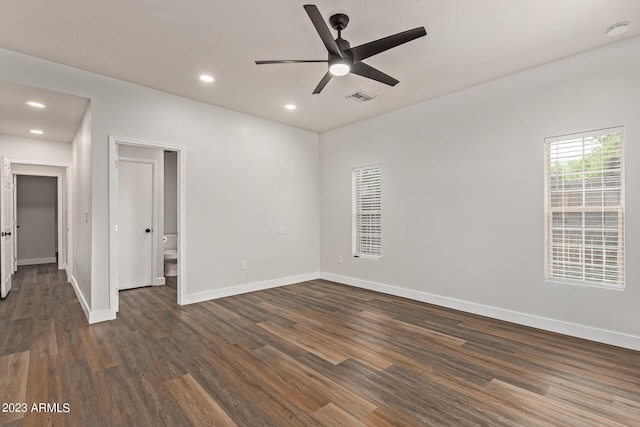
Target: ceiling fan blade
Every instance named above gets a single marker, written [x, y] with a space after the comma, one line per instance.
[323, 83]
[366, 50]
[369, 72]
[322, 29]
[290, 61]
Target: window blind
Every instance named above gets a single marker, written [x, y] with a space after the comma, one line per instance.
[584, 206]
[367, 212]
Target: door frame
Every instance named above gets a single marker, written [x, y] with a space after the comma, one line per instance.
[114, 141]
[63, 185]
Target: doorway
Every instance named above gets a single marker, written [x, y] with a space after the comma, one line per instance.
[137, 206]
[36, 238]
[51, 205]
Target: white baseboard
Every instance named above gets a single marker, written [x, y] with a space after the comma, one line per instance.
[79, 295]
[101, 316]
[576, 330]
[92, 316]
[249, 287]
[34, 261]
[159, 281]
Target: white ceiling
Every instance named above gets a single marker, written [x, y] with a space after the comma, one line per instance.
[167, 44]
[58, 120]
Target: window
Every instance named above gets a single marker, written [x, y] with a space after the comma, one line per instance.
[584, 206]
[366, 212]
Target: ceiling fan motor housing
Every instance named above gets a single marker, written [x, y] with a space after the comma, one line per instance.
[339, 21]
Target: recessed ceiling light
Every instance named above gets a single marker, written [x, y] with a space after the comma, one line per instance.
[290, 107]
[617, 29]
[35, 104]
[36, 131]
[206, 78]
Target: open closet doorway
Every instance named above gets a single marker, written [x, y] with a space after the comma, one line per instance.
[36, 217]
[40, 208]
[146, 214]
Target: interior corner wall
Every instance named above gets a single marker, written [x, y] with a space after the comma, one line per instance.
[463, 191]
[245, 180]
[80, 246]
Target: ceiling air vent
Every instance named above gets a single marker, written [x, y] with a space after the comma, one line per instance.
[361, 96]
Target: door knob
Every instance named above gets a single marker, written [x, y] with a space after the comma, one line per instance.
[147, 230]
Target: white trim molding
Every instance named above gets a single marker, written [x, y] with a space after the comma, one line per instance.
[249, 287]
[559, 326]
[101, 316]
[79, 295]
[113, 253]
[35, 261]
[92, 316]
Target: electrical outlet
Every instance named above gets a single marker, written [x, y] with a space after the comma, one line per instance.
[282, 229]
[339, 259]
[243, 264]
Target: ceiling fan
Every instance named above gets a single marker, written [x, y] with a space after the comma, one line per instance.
[344, 59]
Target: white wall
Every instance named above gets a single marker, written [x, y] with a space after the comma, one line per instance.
[32, 149]
[36, 209]
[81, 182]
[463, 194]
[244, 178]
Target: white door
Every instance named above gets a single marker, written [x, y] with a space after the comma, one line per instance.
[6, 227]
[135, 224]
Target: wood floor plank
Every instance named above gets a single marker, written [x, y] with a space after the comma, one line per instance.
[249, 381]
[547, 409]
[86, 394]
[332, 415]
[585, 397]
[14, 374]
[197, 405]
[45, 386]
[17, 336]
[321, 349]
[44, 342]
[311, 382]
[96, 347]
[373, 359]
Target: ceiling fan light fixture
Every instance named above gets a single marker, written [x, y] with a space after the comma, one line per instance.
[340, 68]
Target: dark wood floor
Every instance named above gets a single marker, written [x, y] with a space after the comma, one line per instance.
[315, 353]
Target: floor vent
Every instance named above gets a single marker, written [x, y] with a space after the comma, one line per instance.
[362, 96]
